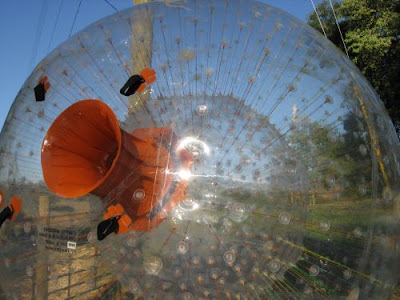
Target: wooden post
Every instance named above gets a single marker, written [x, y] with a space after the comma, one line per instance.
[141, 45]
[42, 273]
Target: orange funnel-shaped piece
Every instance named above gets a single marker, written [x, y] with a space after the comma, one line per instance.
[85, 151]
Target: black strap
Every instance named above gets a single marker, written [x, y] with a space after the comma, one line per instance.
[5, 214]
[107, 227]
[132, 85]
[40, 92]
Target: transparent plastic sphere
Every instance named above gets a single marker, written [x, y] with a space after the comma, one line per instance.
[265, 159]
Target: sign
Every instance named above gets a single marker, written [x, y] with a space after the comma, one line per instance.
[59, 240]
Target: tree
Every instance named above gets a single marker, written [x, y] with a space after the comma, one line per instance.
[371, 30]
[332, 157]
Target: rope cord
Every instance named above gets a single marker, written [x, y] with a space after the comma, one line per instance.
[38, 35]
[76, 15]
[340, 31]
[319, 19]
[55, 25]
[111, 5]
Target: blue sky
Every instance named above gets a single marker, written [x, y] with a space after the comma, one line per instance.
[23, 21]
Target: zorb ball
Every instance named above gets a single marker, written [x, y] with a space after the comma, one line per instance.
[199, 150]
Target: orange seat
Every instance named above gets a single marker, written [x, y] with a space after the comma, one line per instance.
[85, 151]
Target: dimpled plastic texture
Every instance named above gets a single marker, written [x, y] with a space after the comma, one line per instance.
[293, 189]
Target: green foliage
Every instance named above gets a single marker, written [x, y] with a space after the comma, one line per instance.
[331, 157]
[328, 20]
[315, 151]
[371, 30]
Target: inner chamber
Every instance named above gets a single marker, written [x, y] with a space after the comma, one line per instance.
[80, 148]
